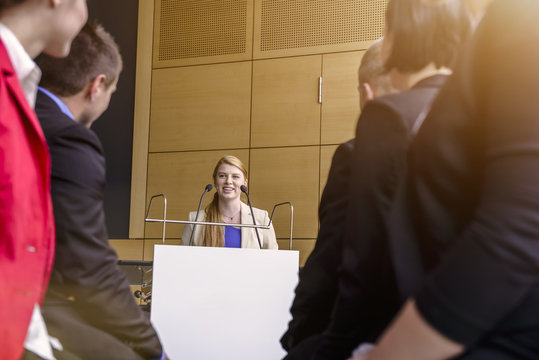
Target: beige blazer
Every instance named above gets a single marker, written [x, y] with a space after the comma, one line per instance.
[248, 235]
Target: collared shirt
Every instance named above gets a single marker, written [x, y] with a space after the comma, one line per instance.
[37, 338]
[27, 70]
[58, 102]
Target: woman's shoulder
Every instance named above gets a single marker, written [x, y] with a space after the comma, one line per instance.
[201, 215]
[260, 213]
[256, 211]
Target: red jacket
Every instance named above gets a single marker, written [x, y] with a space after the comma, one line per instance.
[26, 220]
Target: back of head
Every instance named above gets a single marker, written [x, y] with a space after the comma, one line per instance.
[424, 32]
[372, 71]
[7, 3]
[93, 52]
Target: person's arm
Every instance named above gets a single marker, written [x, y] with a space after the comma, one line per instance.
[85, 264]
[410, 337]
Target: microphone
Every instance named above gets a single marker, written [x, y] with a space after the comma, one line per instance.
[243, 189]
[206, 189]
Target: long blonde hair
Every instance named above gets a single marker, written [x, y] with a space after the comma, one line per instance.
[215, 235]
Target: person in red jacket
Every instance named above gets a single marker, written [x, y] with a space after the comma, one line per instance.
[27, 28]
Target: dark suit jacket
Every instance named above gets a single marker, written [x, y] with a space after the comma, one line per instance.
[367, 293]
[472, 195]
[317, 288]
[86, 280]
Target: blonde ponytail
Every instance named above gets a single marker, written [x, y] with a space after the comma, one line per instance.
[214, 235]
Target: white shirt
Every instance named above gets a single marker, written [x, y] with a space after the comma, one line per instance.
[28, 73]
[26, 69]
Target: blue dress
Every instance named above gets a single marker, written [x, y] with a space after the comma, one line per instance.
[232, 237]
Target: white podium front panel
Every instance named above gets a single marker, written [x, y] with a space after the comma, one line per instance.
[219, 303]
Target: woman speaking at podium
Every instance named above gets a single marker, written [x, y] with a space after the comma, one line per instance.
[229, 176]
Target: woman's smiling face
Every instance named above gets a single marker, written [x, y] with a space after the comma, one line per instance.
[228, 181]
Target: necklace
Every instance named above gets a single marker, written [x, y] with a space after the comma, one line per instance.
[230, 217]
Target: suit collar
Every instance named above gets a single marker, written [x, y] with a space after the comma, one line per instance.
[63, 107]
[435, 81]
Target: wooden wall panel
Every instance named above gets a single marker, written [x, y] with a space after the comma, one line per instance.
[201, 107]
[181, 177]
[285, 102]
[265, 111]
[141, 126]
[287, 174]
[127, 249]
[340, 97]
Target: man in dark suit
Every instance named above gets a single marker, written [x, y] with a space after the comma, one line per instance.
[89, 306]
[464, 233]
[317, 288]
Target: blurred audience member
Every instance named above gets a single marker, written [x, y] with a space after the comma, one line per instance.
[418, 56]
[465, 225]
[27, 27]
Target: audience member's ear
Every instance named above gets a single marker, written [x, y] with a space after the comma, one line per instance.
[369, 93]
[95, 85]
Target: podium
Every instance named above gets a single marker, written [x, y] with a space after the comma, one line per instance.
[213, 303]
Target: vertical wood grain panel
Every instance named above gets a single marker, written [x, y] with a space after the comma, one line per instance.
[201, 107]
[285, 102]
[287, 174]
[340, 107]
[141, 119]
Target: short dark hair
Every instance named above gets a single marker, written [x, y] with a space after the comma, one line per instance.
[93, 52]
[424, 32]
[371, 70]
[7, 3]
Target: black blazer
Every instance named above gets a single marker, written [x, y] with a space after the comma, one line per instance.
[367, 294]
[86, 279]
[317, 288]
[471, 205]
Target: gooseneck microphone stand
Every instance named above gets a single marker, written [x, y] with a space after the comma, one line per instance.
[207, 189]
[244, 190]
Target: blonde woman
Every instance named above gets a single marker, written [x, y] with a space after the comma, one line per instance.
[228, 177]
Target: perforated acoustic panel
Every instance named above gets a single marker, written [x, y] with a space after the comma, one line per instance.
[287, 25]
[190, 29]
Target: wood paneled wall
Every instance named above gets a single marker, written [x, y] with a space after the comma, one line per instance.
[253, 93]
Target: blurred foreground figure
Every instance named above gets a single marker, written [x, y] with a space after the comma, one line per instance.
[27, 27]
[464, 233]
[419, 56]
